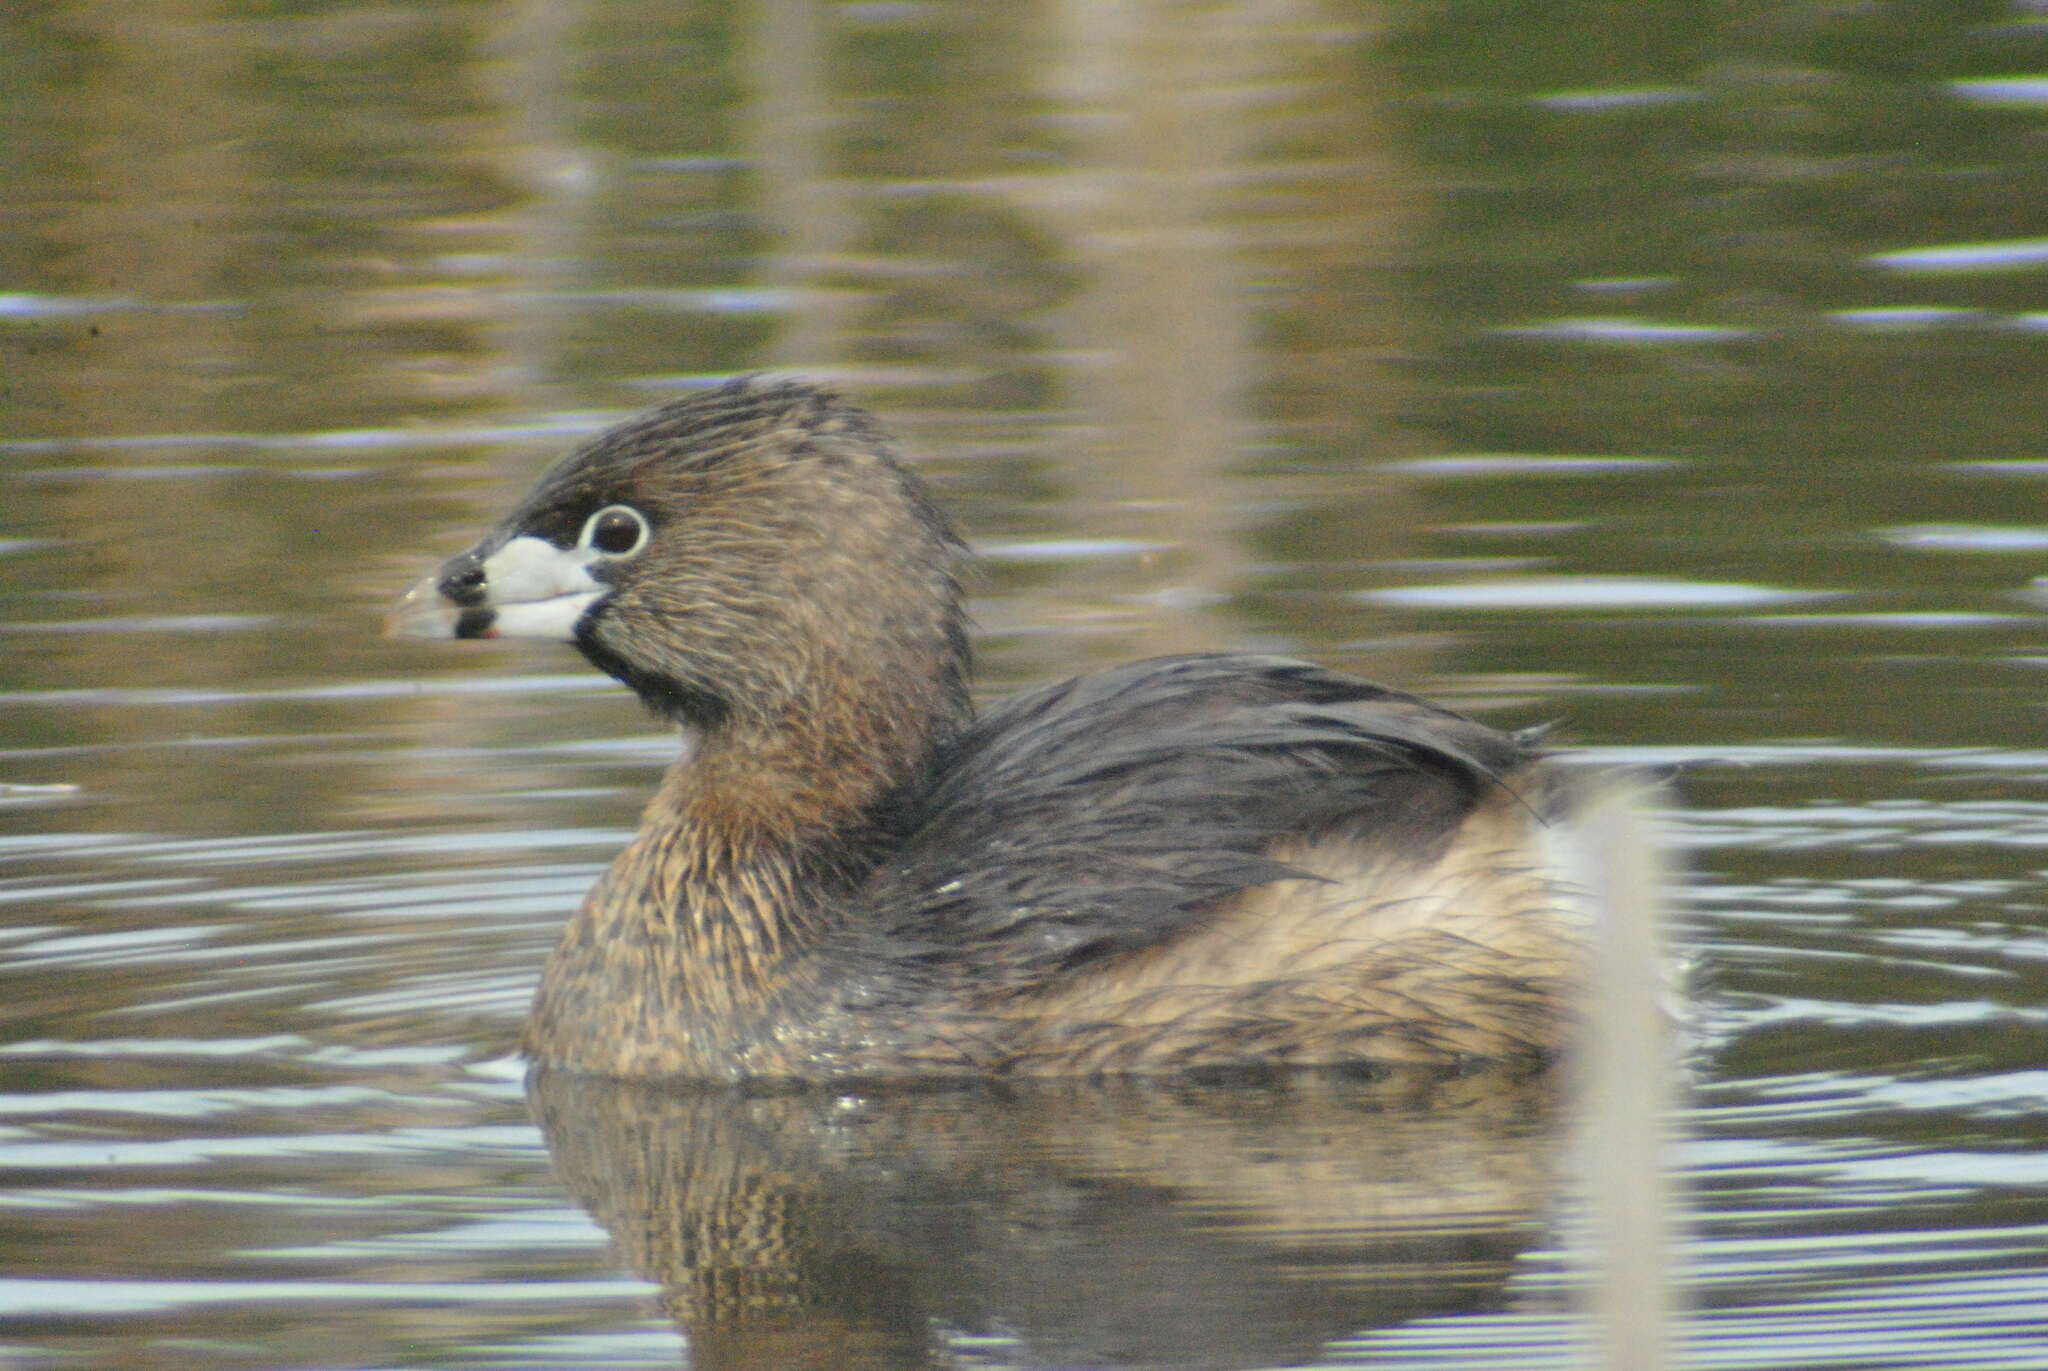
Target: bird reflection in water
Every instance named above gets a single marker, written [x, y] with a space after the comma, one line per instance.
[1121, 1223]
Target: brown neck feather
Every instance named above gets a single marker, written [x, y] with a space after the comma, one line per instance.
[747, 857]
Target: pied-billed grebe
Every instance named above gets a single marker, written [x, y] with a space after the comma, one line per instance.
[1185, 862]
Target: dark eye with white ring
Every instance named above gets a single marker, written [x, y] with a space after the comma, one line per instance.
[614, 531]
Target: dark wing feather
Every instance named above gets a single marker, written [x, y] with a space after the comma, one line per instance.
[1109, 812]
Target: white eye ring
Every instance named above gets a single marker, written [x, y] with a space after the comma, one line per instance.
[614, 531]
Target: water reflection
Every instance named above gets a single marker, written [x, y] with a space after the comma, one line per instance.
[1129, 1224]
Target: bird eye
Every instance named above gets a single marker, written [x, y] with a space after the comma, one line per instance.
[615, 531]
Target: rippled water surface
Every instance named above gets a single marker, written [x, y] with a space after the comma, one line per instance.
[1677, 372]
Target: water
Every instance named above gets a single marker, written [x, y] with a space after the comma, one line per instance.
[1674, 371]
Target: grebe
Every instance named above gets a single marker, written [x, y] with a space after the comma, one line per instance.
[1188, 862]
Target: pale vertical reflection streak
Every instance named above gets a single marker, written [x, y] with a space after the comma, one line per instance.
[163, 177]
[1164, 301]
[802, 198]
[1625, 1085]
[1225, 281]
[530, 71]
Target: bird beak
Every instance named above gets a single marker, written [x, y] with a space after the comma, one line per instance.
[526, 588]
[424, 612]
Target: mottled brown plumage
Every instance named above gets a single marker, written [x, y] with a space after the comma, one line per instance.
[1187, 862]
